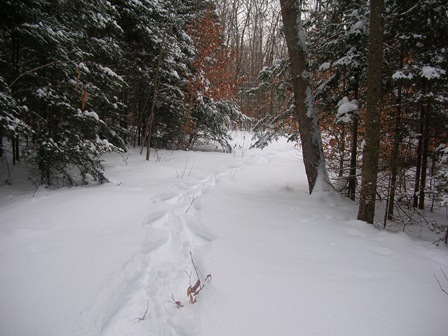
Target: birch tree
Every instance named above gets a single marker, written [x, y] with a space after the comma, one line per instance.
[310, 136]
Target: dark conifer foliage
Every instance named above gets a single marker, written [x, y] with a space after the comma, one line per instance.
[80, 78]
[63, 91]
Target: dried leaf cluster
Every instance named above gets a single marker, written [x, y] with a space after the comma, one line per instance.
[193, 290]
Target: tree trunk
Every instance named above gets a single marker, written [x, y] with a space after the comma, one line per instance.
[342, 152]
[156, 82]
[396, 150]
[1, 142]
[310, 137]
[354, 152]
[395, 158]
[366, 210]
[425, 155]
[419, 157]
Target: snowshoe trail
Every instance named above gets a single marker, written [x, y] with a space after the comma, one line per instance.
[112, 260]
[140, 294]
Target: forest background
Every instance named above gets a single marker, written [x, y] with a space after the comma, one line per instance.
[81, 78]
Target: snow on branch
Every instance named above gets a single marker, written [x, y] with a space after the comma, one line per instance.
[346, 110]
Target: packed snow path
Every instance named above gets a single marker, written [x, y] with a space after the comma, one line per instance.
[105, 260]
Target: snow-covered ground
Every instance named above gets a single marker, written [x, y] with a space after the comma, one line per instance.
[107, 259]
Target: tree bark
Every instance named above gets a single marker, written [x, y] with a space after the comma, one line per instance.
[425, 155]
[310, 137]
[156, 82]
[419, 158]
[354, 151]
[366, 210]
[395, 160]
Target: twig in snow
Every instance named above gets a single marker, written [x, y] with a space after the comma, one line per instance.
[192, 199]
[144, 315]
[234, 174]
[35, 191]
[440, 285]
[194, 265]
[189, 277]
[191, 168]
[182, 174]
[177, 303]
[193, 290]
[125, 158]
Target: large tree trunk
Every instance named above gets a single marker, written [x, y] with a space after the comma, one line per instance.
[370, 160]
[310, 137]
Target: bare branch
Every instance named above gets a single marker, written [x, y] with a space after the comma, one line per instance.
[31, 71]
[404, 13]
[194, 265]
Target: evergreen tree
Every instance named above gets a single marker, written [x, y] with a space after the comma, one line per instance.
[338, 35]
[54, 74]
[417, 31]
[276, 79]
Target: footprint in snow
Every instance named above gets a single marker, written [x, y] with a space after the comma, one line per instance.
[383, 251]
[354, 232]
[155, 239]
[157, 219]
[169, 197]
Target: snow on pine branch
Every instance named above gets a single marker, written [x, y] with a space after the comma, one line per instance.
[346, 110]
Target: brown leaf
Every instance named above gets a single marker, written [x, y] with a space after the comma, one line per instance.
[196, 286]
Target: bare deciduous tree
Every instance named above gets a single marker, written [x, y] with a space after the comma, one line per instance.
[310, 136]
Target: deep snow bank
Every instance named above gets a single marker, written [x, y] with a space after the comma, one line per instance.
[93, 260]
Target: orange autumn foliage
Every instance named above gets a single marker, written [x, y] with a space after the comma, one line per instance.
[212, 77]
